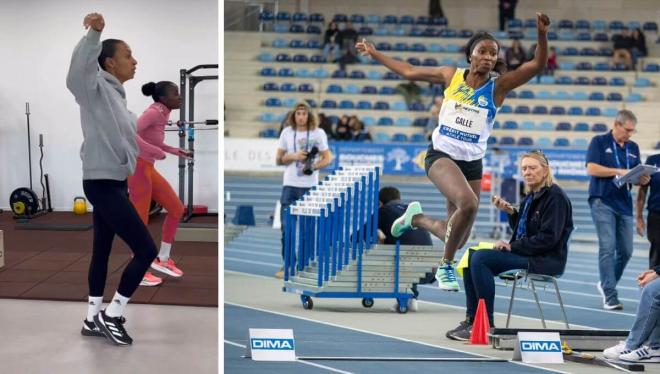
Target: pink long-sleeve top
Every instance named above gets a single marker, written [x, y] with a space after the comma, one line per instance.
[151, 133]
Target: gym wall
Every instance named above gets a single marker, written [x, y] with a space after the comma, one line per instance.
[37, 38]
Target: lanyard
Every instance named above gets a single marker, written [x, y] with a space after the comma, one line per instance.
[616, 155]
[522, 222]
[295, 133]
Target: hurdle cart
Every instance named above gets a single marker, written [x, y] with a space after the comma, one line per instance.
[330, 242]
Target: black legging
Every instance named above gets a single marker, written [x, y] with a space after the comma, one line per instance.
[114, 214]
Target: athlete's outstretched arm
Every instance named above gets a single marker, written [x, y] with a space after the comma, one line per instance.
[530, 69]
[441, 74]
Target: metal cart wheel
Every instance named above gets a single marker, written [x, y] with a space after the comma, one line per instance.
[402, 306]
[307, 302]
[367, 302]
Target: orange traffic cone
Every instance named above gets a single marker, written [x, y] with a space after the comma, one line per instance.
[480, 326]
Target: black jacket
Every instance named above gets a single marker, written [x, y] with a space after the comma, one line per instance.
[549, 226]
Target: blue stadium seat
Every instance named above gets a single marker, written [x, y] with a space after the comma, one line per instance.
[357, 74]
[305, 87]
[268, 133]
[270, 86]
[413, 61]
[430, 62]
[368, 121]
[515, 23]
[296, 29]
[581, 127]
[592, 111]
[390, 75]
[406, 20]
[506, 109]
[421, 122]
[582, 81]
[390, 20]
[303, 73]
[605, 52]
[616, 25]
[369, 90]
[650, 26]
[328, 104]
[435, 48]
[352, 89]
[567, 65]
[339, 74]
[383, 46]
[526, 94]
[281, 28]
[373, 19]
[416, 32]
[279, 43]
[357, 18]
[564, 80]
[600, 37]
[507, 140]
[381, 105]
[439, 21]
[579, 142]
[527, 125]
[268, 117]
[317, 18]
[563, 126]
[300, 58]
[465, 33]
[374, 75]
[381, 31]
[522, 109]
[610, 112]
[599, 81]
[598, 127]
[570, 51]
[385, 121]
[652, 67]
[266, 16]
[417, 107]
[321, 73]
[614, 96]
[364, 105]
[387, 90]
[399, 138]
[340, 18]
[266, 57]
[285, 72]
[423, 20]
[602, 66]
[540, 109]
[399, 106]
[381, 137]
[598, 25]
[525, 141]
[582, 24]
[566, 35]
[634, 97]
[530, 23]
[403, 121]
[617, 81]
[418, 47]
[333, 119]
[584, 36]
[584, 65]
[346, 104]
[492, 140]
[273, 101]
[312, 29]
[575, 111]
[268, 72]
[317, 59]
[511, 95]
[417, 138]
[642, 82]
[398, 31]
[634, 25]
[448, 33]
[299, 17]
[283, 57]
[289, 102]
[365, 31]
[400, 47]
[543, 95]
[565, 24]
[283, 16]
[557, 111]
[510, 125]
[562, 95]
[561, 142]
[596, 96]
[496, 125]
[552, 35]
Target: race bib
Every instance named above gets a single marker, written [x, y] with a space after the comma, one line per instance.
[461, 121]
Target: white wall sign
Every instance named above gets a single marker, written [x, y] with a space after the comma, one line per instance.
[250, 155]
[271, 345]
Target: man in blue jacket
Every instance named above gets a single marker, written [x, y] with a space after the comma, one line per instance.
[610, 156]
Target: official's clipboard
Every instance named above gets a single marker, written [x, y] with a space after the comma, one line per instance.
[632, 176]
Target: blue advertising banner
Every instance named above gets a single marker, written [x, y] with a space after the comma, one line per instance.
[408, 159]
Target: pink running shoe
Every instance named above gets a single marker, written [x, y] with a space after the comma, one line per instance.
[150, 280]
[168, 267]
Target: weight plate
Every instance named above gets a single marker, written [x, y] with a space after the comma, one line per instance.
[23, 201]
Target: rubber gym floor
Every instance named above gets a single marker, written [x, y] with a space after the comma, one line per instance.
[342, 327]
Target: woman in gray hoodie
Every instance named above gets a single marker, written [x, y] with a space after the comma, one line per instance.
[108, 154]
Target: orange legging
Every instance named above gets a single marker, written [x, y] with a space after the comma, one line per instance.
[147, 184]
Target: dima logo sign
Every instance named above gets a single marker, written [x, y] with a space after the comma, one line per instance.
[540, 346]
[272, 344]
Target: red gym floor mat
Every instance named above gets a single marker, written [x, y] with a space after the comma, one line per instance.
[52, 265]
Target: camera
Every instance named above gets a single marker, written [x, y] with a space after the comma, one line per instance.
[309, 161]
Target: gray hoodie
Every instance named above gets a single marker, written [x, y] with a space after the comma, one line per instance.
[109, 148]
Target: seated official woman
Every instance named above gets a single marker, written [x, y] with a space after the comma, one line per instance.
[541, 227]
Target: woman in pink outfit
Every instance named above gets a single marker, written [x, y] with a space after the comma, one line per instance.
[146, 184]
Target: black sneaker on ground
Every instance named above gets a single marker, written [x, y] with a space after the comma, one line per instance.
[462, 332]
[90, 329]
[113, 328]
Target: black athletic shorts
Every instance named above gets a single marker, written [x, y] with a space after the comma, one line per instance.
[472, 170]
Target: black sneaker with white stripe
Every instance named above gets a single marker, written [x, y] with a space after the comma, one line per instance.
[90, 329]
[113, 328]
